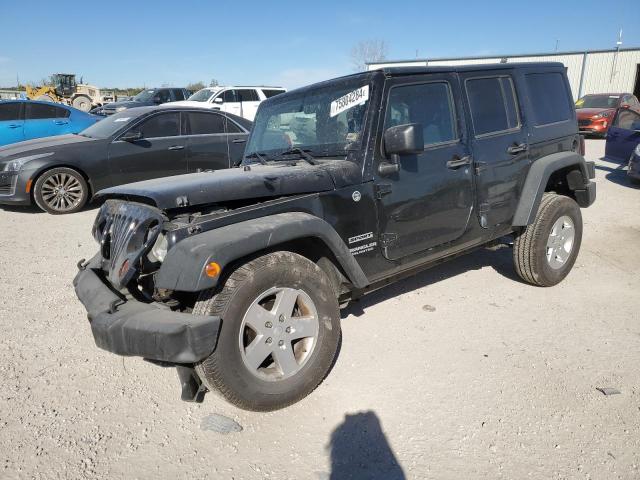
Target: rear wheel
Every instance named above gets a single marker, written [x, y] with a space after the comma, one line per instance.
[61, 190]
[280, 332]
[546, 250]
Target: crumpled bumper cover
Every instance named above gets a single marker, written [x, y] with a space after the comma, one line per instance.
[125, 326]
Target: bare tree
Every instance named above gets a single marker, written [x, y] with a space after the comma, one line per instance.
[195, 86]
[367, 51]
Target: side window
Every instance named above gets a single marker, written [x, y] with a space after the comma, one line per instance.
[549, 98]
[164, 95]
[9, 111]
[178, 94]
[626, 119]
[229, 96]
[62, 113]
[493, 104]
[163, 125]
[39, 111]
[429, 104]
[232, 127]
[205, 123]
[271, 93]
[247, 96]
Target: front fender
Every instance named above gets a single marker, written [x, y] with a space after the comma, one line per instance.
[538, 176]
[183, 267]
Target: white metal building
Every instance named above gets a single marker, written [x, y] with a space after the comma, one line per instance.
[592, 71]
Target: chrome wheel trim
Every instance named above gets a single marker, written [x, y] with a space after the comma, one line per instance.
[62, 192]
[560, 242]
[278, 333]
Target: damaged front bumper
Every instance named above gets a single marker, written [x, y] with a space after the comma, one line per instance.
[125, 326]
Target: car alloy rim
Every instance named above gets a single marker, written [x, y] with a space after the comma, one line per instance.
[560, 242]
[278, 334]
[62, 192]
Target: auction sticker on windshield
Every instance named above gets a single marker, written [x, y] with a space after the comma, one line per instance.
[350, 100]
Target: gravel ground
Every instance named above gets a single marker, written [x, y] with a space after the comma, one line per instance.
[459, 372]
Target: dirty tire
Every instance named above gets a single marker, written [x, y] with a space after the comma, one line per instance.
[530, 247]
[226, 371]
[82, 103]
[72, 178]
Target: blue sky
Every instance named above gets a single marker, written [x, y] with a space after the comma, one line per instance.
[290, 43]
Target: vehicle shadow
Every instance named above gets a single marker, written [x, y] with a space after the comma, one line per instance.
[359, 449]
[33, 209]
[617, 174]
[498, 258]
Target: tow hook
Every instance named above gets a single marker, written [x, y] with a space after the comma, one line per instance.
[193, 389]
[82, 264]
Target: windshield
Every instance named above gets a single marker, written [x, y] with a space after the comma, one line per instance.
[201, 95]
[598, 101]
[326, 121]
[144, 96]
[110, 125]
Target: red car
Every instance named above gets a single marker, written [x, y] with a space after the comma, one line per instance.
[595, 112]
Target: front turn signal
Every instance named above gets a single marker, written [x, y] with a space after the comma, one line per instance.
[212, 269]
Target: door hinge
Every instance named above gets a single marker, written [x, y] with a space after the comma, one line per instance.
[388, 239]
[382, 189]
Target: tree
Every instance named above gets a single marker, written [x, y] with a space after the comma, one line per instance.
[367, 51]
[194, 87]
[214, 83]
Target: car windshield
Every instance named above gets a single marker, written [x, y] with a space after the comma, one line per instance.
[144, 96]
[598, 101]
[327, 121]
[110, 125]
[201, 95]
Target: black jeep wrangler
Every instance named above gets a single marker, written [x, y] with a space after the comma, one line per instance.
[236, 277]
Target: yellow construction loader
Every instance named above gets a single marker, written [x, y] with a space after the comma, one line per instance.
[66, 90]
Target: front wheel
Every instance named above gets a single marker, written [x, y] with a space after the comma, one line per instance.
[546, 250]
[61, 190]
[280, 332]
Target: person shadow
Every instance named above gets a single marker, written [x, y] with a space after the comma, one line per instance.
[359, 450]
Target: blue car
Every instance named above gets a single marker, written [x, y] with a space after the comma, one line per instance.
[623, 141]
[26, 119]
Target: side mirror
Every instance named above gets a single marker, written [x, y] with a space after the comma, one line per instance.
[131, 136]
[218, 100]
[401, 140]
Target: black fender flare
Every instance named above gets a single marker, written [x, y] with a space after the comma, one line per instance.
[183, 267]
[538, 176]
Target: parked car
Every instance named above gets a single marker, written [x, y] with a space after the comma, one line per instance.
[27, 119]
[595, 112]
[623, 141]
[146, 98]
[60, 174]
[347, 185]
[241, 101]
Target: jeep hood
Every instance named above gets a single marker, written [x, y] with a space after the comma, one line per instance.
[259, 181]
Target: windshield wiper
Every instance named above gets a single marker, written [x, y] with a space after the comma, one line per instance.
[260, 156]
[303, 154]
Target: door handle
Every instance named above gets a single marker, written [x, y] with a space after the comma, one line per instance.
[176, 147]
[521, 147]
[239, 140]
[60, 122]
[13, 125]
[457, 162]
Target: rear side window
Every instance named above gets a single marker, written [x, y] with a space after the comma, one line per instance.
[626, 119]
[9, 111]
[229, 96]
[39, 111]
[163, 125]
[493, 105]
[271, 93]
[549, 98]
[428, 104]
[205, 123]
[178, 93]
[247, 95]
